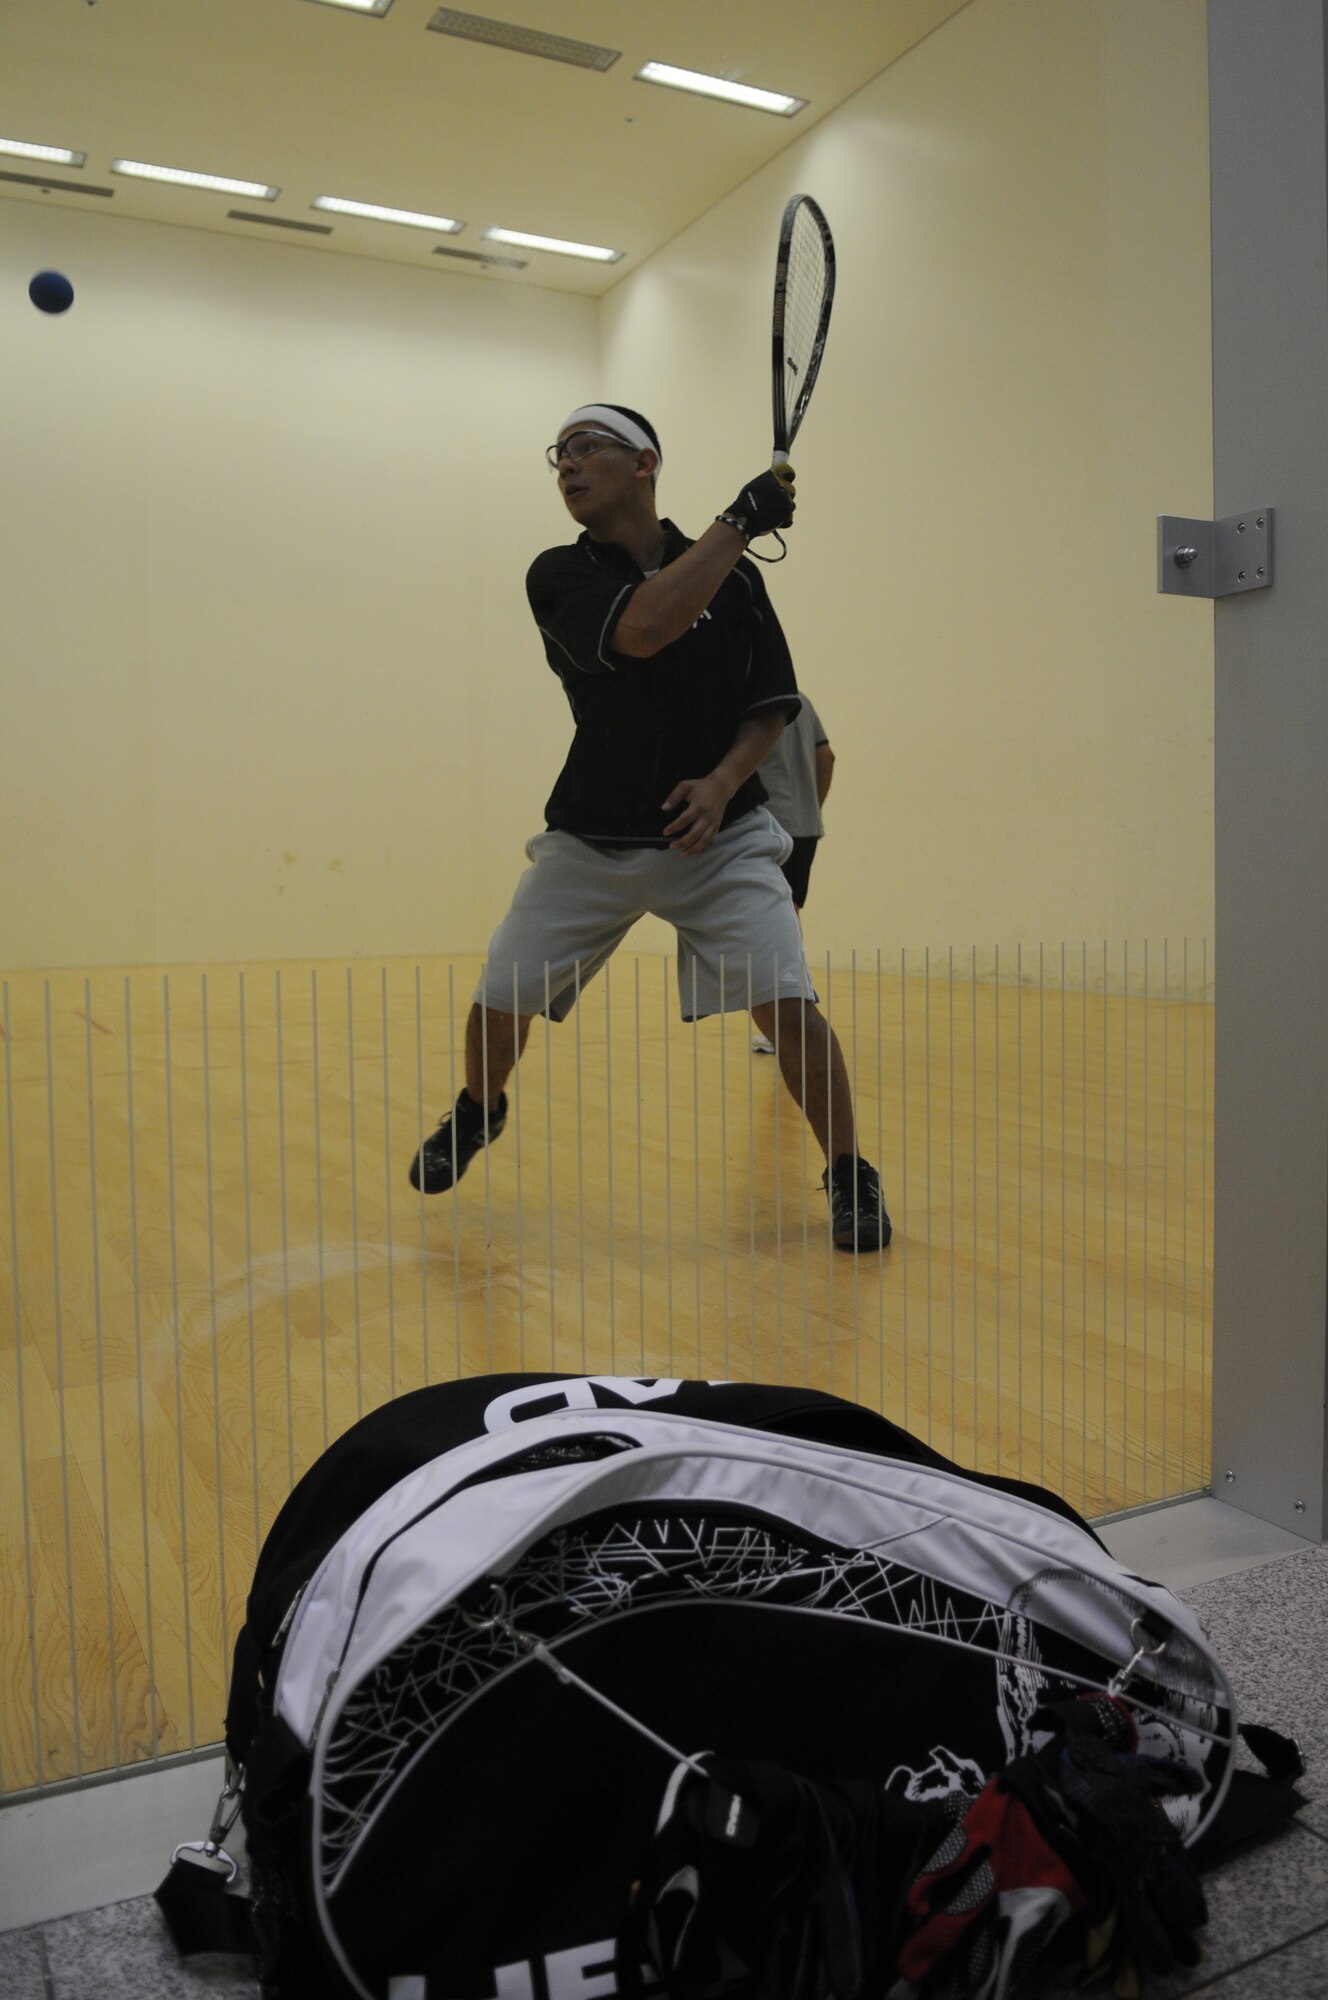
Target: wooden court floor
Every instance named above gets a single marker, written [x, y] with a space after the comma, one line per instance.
[211, 1261]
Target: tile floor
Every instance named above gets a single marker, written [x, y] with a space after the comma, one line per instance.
[1267, 1937]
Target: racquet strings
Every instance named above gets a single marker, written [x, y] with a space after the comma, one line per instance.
[804, 297]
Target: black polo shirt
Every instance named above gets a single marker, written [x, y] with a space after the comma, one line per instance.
[642, 725]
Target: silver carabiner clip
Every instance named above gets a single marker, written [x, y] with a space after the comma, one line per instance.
[1121, 1679]
[210, 1852]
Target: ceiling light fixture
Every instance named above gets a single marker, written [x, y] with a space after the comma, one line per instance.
[216, 183]
[378, 7]
[594, 251]
[440, 224]
[478, 257]
[719, 86]
[60, 155]
[525, 41]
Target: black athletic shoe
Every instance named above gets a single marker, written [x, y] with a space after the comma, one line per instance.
[858, 1220]
[432, 1166]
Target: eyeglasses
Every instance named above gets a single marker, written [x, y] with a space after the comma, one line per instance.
[578, 446]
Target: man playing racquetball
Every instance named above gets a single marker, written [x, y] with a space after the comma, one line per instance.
[680, 682]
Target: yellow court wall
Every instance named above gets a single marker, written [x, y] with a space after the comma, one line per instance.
[1016, 383]
[271, 684]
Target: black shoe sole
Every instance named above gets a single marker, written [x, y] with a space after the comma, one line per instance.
[866, 1239]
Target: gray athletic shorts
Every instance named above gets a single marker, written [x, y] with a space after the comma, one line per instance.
[730, 906]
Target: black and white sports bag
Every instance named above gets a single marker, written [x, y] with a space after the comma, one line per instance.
[523, 1653]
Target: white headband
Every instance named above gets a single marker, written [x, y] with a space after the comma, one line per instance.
[612, 420]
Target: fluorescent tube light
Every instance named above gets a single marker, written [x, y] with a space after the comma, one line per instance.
[440, 224]
[719, 86]
[140, 170]
[594, 251]
[60, 155]
[378, 7]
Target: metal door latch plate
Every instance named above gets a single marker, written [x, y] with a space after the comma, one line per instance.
[1215, 558]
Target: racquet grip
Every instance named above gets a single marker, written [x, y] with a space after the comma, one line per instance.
[783, 471]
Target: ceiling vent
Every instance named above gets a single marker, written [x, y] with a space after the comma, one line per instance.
[63, 187]
[526, 41]
[479, 257]
[279, 222]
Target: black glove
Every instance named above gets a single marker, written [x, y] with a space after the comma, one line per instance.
[764, 504]
[1078, 1827]
[750, 1884]
[1144, 1896]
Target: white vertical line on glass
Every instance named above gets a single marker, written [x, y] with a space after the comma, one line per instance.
[285, 1235]
[453, 1093]
[1125, 1225]
[185, 1592]
[1185, 1223]
[387, 1171]
[1083, 1225]
[973, 999]
[488, 1166]
[1143, 1289]
[779, 1186]
[1019, 1200]
[857, 1147]
[926, 1156]
[608, 1167]
[696, 1163]
[519, 1218]
[58, 1329]
[954, 1262]
[223, 1594]
[98, 1337]
[802, 1141]
[640, 1168]
[580, 1159]
[249, 1267]
[751, 1178]
[903, 1154]
[1106, 1222]
[387, 1189]
[1065, 1301]
[351, 1122]
[1204, 1412]
[724, 1167]
[1042, 1215]
[318, 1197]
[38, 1757]
[548, 1143]
[419, 1126]
[668, 1164]
[135, 1285]
[1166, 1213]
[880, 1154]
[996, 1096]
[831, 1326]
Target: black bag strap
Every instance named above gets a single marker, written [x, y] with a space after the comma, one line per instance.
[197, 1898]
[1259, 1803]
[201, 1909]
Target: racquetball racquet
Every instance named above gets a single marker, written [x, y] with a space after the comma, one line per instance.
[804, 294]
